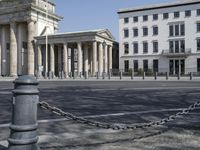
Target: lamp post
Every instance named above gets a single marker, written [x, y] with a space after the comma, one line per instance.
[46, 64]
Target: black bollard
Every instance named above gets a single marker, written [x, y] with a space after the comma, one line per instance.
[24, 124]
[97, 74]
[132, 74]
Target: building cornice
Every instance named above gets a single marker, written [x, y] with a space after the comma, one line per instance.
[160, 6]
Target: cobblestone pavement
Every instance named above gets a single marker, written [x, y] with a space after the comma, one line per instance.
[116, 101]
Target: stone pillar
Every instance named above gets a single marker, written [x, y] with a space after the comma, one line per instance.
[106, 59]
[100, 70]
[80, 56]
[3, 51]
[94, 57]
[52, 60]
[59, 59]
[69, 60]
[110, 58]
[31, 54]
[20, 55]
[86, 59]
[65, 59]
[13, 49]
[39, 60]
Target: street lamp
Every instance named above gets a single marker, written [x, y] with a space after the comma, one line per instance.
[46, 66]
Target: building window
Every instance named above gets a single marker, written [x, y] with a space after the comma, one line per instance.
[155, 65]
[145, 65]
[145, 31]
[182, 26]
[155, 46]
[8, 46]
[176, 30]
[145, 18]
[126, 33]
[165, 15]
[135, 64]
[187, 13]
[198, 27]
[182, 46]
[198, 44]
[135, 32]
[145, 47]
[135, 19]
[155, 30]
[126, 48]
[126, 20]
[155, 16]
[177, 46]
[198, 64]
[198, 12]
[176, 14]
[171, 30]
[135, 48]
[126, 65]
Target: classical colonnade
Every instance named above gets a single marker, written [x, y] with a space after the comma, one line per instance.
[87, 57]
[11, 44]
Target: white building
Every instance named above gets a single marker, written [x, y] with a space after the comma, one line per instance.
[161, 37]
[24, 26]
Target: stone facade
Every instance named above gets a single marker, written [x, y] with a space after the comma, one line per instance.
[20, 22]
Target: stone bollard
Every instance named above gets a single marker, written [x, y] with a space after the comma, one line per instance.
[120, 75]
[167, 75]
[144, 74]
[178, 76]
[155, 75]
[86, 75]
[97, 74]
[71, 74]
[24, 124]
[109, 75]
[191, 76]
[74, 75]
[132, 74]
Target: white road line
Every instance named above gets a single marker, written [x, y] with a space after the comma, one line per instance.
[106, 115]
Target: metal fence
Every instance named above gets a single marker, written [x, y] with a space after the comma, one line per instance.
[24, 117]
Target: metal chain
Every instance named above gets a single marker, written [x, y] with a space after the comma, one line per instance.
[82, 120]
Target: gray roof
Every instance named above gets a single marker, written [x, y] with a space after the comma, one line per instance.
[161, 5]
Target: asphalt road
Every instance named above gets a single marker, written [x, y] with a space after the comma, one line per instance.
[114, 102]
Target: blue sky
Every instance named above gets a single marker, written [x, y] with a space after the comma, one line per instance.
[94, 14]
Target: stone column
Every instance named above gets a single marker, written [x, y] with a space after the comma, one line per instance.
[31, 54]
[20, 55]
[100, 70]
[65, 59]
[69, 60]
[39, 60]
[3, 51]
[80, 56]
[0, 55]
[52, 60]
[86, 59]
[106, 59]
[59, 59]
[94, 58]
[110, 58]
[13, 49]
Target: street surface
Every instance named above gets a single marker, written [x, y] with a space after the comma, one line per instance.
[128, 102]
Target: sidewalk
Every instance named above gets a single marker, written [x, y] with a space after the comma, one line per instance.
[67, 135]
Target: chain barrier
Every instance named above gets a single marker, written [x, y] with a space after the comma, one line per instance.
[119, 126]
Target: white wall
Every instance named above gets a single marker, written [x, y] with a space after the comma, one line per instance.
[163, 36]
